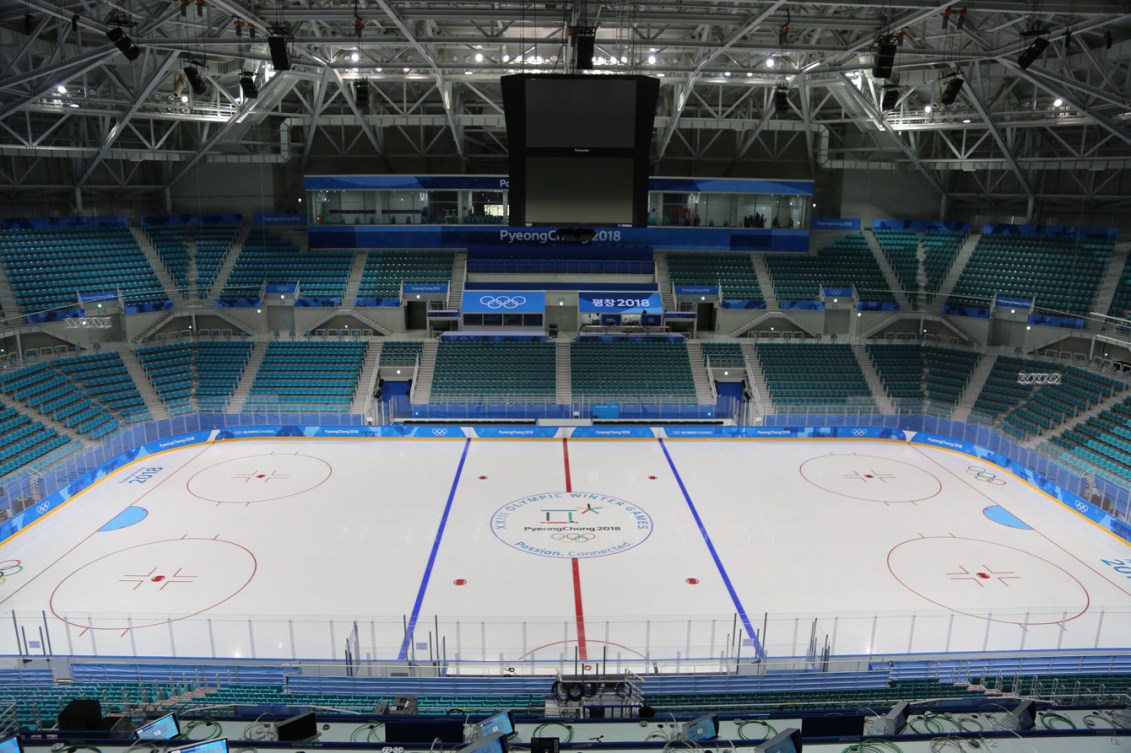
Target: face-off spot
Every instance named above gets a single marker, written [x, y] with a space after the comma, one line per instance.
[259, 478]
[988, 580]
[153, 584]
[870, 478]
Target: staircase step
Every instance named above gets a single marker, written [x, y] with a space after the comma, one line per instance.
[243, 387]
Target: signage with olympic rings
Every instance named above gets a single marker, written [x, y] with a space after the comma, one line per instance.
[503, 302]
[571, 525]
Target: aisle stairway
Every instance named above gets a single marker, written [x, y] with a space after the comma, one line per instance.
[243, 388]
[156, 408]
[664, 281]
[890, 277]
[367, 380]
[459, 277]
[974, 388]
[564, 384]
[354, 281]
[879, 394]
[225, 270]
[956, 268]
[422, 387]
[154, 259]
[757, 378]
[705, 393]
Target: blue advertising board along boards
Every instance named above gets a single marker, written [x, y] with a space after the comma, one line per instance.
[604, 302]
[503, 302]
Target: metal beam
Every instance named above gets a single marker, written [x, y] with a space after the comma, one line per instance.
[1039, 81]
[980, 108]
[320, 102]
[140, 98]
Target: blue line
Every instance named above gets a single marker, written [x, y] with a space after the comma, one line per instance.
[403, 655]
[715, 556]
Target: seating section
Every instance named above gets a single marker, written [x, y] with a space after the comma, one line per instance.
[846, 263]
[104, 377]
[1052, 404]
[733, 273]
[901, 247]
[79, 393]
[940, 249]
[631, 371]
[814, 375]
[386, 270]
[1103, 442]
[473, 370]
[22, 440]
[195, 376]
[213, 243]
[919, 378]
[47, 267]
[1061, 274]
[1121, 302]
[307, 376]
[1001, 392]
[400, 351]
[171, 244]
[724, 353]
[267, 258]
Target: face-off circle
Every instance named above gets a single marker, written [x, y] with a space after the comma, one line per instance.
[153, 584]
[988, 580]
[571, 524]
[259, 478]
[870, 478]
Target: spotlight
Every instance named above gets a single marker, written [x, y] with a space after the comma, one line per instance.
[124, 44]
[1035, 50]
[884, 57]
[247, 85]
[196, 81]
[1058, 102]
[361, 94]
[950, 93]
[781, 101]
[890, 98]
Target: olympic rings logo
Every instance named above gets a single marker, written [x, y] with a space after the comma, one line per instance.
[502, 301]
[986, 477]
[42, 507]
[573, 536]
[8, 568]
[859, 432]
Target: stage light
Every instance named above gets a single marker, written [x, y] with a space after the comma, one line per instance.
[196, 81]
[1034, 51]
[124, 44]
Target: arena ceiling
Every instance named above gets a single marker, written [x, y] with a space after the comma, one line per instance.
[78, 118]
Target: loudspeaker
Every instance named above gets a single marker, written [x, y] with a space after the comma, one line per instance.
[884, 59]
[585, 52]
[279, 57]
[361, 94]
[950, 93]
[123, 43]
[81, 714]
[890, 99]
[247, 85]
[196, 81]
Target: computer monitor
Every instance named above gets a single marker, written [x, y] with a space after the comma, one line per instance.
[298, 728]
[786, 741]
[11, 745]
[702, 728]
[162, 728]
[219, 745]
[502, 722]
[493, 743]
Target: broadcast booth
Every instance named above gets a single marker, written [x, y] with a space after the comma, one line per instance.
[502, 312]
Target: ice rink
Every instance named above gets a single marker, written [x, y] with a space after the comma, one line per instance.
[694, 551]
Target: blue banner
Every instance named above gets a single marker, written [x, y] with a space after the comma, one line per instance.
[516, 432]
[977, 312]
[1020, 303]
[618, 303]
[502, 183]
[63, 223]
[279, 219]
[802, 305]
[612, 432]
[1046, 320]
[838, 292]
[425, 288]
[304, 301]
[835, 223]
[922, 226]
[190, 220]
[733, 304]
[503, 302]
[98, 296]
[282, 288]
[617, 240]
[877, 306]
[688, 315]
[711, 291]
[1051, 231]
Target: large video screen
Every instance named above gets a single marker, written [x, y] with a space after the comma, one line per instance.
[580, 112]
[564, 191]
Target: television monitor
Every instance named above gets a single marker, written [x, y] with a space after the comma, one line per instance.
[786, 741]
[580, 111]
[502, 723]
[298, 728]
[399, 732]
[573, 189]
[495, 743]
[11, 745]
[702, 728]
[219, 745]
[162, 728]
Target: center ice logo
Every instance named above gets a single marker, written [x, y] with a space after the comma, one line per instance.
[571, 525]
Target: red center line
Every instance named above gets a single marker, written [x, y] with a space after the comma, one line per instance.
[582, 648]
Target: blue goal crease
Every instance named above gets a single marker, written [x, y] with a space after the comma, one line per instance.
[750, 632]
[402, 655]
